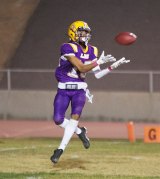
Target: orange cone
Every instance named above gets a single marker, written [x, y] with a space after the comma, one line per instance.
[131, 133]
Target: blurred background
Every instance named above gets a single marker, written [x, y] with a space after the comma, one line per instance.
[31, 33]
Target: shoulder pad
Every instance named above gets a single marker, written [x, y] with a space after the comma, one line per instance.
[74, 47]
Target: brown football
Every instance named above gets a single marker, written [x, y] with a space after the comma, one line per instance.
[125, 38]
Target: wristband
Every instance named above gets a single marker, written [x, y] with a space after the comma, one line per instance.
[95, 64]
[109, 68]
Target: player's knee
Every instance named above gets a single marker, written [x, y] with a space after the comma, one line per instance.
[75, 116]
[58, 120]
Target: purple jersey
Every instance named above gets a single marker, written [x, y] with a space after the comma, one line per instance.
[66, 72]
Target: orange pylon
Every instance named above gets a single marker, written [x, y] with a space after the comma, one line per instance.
[131, 132]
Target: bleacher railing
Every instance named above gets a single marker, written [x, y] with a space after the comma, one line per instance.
[118, 80]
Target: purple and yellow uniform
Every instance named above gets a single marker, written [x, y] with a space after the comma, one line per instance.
[71, 83]
[65, 72]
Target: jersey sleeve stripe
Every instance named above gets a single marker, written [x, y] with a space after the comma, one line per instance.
[95, 51]
[74, 47]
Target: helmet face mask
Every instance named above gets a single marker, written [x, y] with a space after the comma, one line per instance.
[79, 31]
[83, 36]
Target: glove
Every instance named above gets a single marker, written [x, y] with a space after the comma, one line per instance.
[119, 62]
[104, 59]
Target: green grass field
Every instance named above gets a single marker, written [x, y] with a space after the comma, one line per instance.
[115, 159]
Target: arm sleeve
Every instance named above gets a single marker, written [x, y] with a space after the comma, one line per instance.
[99, 74]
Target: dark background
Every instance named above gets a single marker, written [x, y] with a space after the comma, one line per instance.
[46, 31]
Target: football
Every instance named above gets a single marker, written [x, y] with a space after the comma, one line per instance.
[125, 38]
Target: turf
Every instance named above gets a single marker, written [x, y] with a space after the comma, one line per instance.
[117, 159]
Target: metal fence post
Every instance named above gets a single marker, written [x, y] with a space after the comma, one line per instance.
[8, 93]
[8, 79]
[151, 82]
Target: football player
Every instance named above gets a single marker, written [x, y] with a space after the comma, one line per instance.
[77, 58]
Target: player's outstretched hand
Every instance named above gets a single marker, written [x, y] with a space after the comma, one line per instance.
[119, 62]
[104, 59]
